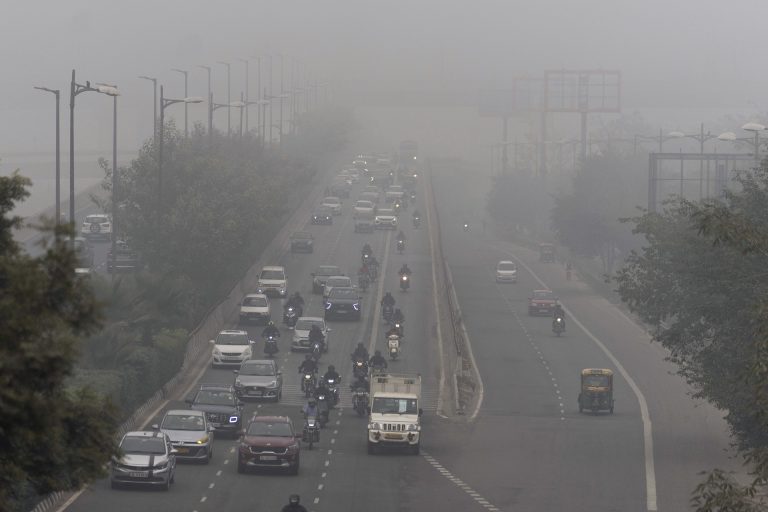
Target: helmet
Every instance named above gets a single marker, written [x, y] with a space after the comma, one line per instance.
[312, 401]
[308, 357]
[331, 368]
[271, 323]
[294, 499]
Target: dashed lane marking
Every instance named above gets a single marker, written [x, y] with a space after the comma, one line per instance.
[479, 499]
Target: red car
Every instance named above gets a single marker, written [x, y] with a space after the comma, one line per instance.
[542, 303]
[269, 442]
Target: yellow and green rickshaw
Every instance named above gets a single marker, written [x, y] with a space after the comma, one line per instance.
[596, 390]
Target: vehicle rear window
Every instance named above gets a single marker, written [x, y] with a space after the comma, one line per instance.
[328, 271]
[305, 325]
[343, 293]
[507, 266]
[255, 302]
[542, 295]
[267, 429]
[96, 219]
[143, 445]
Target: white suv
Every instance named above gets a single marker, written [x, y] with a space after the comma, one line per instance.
[97, 226]
[506, 272]
[272, 281]
[231, 347]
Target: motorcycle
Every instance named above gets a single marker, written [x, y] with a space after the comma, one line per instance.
[362, 282]
[558, 326]
[317, 350]
[397, 208]
[373, 272]
[360, 401]
[416, 222]
[405, 282]
[308, 384]
[399, 327]
[311, 432]
[360, 368]
[333, 387]
[378, 368]
[413, 196]
[386, 312]
[324, 408]
[466, 227]
[400, 246]
[290, 316]
[393, 345]
[366, 257]
[270, 347]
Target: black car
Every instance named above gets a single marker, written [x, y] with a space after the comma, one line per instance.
[222, 408]
[343, 303]
[321, 275]
[322, 215]
[124, 259]
[302, 241]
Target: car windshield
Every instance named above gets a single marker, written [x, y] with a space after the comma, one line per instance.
[301, 235]
[364, 204]
[331, 200]
[305, 325]
[394, 406]
[258, 369]
[337, 281]
[255, 302]
[93, 219]
[267, 429]
[507, 266]
[343, 293]
[543, 295]
[323, 210]
[230, 338]
[183, 422]
[327, 271]
[142, 445]
[272, 274]
[215, 397]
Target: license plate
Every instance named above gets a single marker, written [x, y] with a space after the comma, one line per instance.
[182, 450]
[268, 457]
[543, 310]
[393, 436]
[254, 392]
[215, 425]
[139, 474]
[342, 311]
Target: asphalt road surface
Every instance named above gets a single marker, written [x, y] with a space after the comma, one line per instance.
[337, 475]
[530, 448]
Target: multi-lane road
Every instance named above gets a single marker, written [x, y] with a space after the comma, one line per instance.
[528, 448]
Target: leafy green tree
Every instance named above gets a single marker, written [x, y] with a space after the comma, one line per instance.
[701, 283]
[51, 437]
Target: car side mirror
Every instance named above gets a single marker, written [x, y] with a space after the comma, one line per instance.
[174, 451]
[155, 426]
[421, 411]
[279, 372]
[236, 372]
[211, 428]
[190, 400]
[240, 403]
[212, 342]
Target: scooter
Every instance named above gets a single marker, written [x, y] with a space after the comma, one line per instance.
[416, 222]
[308, 384]
[558, 326]
[324, 408]
[333, 387]
[360, 401]
[360, 368]
[290, 316]
[393, 345]
[466, 227]
[317, 351]
[400, 246]
[311, 432]
[405, 282]
[386, 313]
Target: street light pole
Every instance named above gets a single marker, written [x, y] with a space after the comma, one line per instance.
[56, 92]
[229, 96]
[210, 99]
[114, 177]
[245, 61]
[186, 106]
[74, 90]
[154, 105]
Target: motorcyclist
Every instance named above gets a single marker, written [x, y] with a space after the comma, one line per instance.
[378, 360]
[364, 270]
[404, 270]
[270, 331]
[296, 301]
[373, 265]
[398, 317]
[332, 374]
[388, 300]
[401, 236]
[294, 505]
[367, 249]
[393, 331]
[416, 214]
[310, 409]
[559, 313]
[361, 383]
[308, 365]
[360, 353]
[317, 336]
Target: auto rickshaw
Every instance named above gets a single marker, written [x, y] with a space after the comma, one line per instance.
[596, 390]
[547, 253]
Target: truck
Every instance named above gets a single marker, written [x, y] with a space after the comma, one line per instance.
[394, 418]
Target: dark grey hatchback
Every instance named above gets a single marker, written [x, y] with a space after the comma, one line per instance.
[343, 303]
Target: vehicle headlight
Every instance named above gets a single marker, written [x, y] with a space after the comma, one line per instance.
[238, 384]
[356, 306]
[233, 418]
[247, 352]
[272, 384]
[374, 426]
[203, 440]
[412, 428]
[216, 351]
[260, 290]
[328, 305]
[162, 465]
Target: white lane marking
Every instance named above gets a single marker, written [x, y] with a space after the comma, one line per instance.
[317, 500]
[320, 487]
[327, 463]
[323, 475]
[218, 473]
[330, 452]
[333, 441]
[479, 499]
[376, 307]
[232, 450]
[203, 499]
[650, 469]
[435, 300]
[226, 461]
[211, 485]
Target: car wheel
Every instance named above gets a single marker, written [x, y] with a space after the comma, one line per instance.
[416, 449]
[172, 479]
[240, 466]
[167, 485]
[113, 484]
[294, 470]
[371, 448]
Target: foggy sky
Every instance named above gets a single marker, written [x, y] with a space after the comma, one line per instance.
[683, 53]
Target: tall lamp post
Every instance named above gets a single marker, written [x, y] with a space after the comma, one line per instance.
[75, 89]
[114, 174]
[755, 143]
[229, 95]
[154, 105]
[166, 102]
[701, 137]
[56, 92]
[245, 100]
[186, 94]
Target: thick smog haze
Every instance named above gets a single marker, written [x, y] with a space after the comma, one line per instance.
[686, 54]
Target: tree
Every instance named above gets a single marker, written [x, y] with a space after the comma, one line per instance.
[701, 283]
[51, 437]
